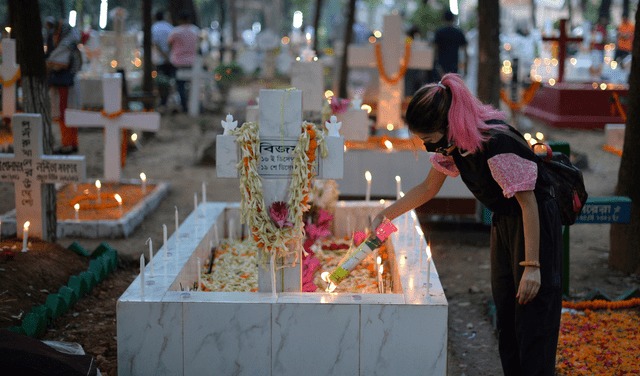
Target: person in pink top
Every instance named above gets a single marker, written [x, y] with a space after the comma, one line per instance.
[183, 41]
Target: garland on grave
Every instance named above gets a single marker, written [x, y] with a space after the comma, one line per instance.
[112, 115]
[403, 68]
[12, 80]
[272, 228]
[616, 105]
[526, 98]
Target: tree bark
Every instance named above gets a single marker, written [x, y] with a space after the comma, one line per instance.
[316, 25]
[147, 68]
[344, 68]
[489, 56]
[624, 239]
[234, 28]
[24, 18]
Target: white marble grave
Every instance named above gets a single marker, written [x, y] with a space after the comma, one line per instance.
[307, 75]
[392, 51]
[9, 71]
[29, 169]
[170, 332]
[112, 94]
[198, 77]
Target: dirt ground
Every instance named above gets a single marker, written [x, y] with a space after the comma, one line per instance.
[461, 251]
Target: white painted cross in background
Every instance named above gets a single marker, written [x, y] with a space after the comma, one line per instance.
[112, 94]
[28, 169]
[198, 77]
[9, 72]
[280, 124]
[390, 96]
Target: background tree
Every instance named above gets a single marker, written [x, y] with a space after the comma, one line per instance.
[24, 18]
[625, 238]
[348, 36]
[177, 6]
[316, 25]
[489, 52]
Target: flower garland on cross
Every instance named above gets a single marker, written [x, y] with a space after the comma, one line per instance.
[403, 67]
[272, 228]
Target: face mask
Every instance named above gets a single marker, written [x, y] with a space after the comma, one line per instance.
[440, 146]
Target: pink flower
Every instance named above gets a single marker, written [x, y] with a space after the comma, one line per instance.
[278, 213]
[359, 237]
[339, 106]
[324, 216]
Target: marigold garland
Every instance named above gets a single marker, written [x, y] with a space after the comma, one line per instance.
[12, 80]
[618, 106]
[112, 115]
[602, 304]
[526, 98]
[403, 68]
[265, 233]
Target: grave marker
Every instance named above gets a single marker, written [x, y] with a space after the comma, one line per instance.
[197, 76]
[280, 127]
[113, 123]
[392, 50]
[28, 169]
[10, 72]
[562, 41]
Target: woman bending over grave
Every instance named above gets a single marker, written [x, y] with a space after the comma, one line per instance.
[471, 140]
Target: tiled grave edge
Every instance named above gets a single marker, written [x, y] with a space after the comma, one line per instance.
[104, 260]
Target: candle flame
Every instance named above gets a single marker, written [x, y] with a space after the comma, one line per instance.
[367, 108]
[134, 137]
[428, 251]
[398, 178]
[118, 198]
[8, 29]
[76, 206]
[388, 144]
[367, 175]
[331, 287]
[325, 276]
[143, 176]
[98, 185]
[381, 269]
[382, 201]
[419, 229]
[379, 260]
[413, 215]
[26, 225]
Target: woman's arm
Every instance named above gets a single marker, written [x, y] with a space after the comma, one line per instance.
[417, 196]
[530, 282]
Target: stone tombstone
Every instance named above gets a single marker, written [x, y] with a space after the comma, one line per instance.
[393, 51]
[280, 126]
[9, 71]
[197, 76]
[113, 123]
[28, 169]
[308, 75]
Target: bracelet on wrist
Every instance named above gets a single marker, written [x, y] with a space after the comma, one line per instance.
[530, 263]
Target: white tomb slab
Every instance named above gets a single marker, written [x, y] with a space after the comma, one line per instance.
[308, 76]
[356, 123]
[28, 169]
[614, 134]
[169, 331]
[112, 94]
[9, 71]
[197, 76]
[392, 50]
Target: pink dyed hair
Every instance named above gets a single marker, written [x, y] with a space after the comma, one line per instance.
[433, 108]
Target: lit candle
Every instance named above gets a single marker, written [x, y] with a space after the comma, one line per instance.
[428, 267]
[164, 241]
[142, 274]
[150, 257]
[119, 199]
[398, 187]
[215, 233]
[367, 175]
[143, 177]
[420, 245]
[98, 186]
[380, 280]
[25, 236]
[177, 225]
[199, 274]
[413, 230]
[77, 209]
[204, 198]
[349, 229]
[134, 138]
[195, 205]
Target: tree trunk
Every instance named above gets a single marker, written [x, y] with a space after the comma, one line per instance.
[348, 35]
[489, 56]
[605, 9]
[24, 18]
[533, 14]
[625, 238]
[147, 68]
[316, 25]
[234, 28]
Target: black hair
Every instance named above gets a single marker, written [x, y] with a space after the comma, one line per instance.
[428, 109]
[159, 15]
[448, 16]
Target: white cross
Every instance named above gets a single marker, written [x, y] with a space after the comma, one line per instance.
[308, 76]
[197, 76]
[112, 94]
[28, 169]
[280, 128]
[390, 96]
[8, 71]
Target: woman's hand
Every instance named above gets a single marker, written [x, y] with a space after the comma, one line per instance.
[529, 285]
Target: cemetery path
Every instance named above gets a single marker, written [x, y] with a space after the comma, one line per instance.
[461, 254]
